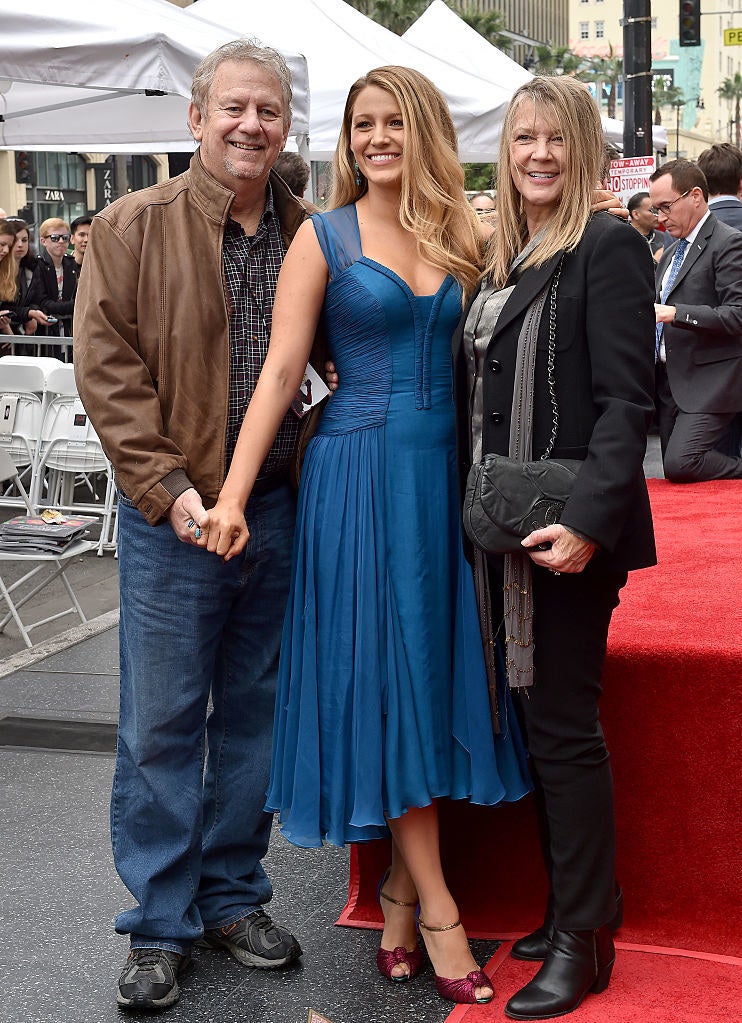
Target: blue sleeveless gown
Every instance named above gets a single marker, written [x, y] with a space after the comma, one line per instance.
[382, 697]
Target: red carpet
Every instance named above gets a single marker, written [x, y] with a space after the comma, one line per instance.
[671, 717]
[644, 988]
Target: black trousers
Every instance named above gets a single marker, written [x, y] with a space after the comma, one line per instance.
[691, 452]
[561, 726]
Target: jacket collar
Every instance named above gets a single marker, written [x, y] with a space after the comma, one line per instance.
[215, 199]
[697, 246]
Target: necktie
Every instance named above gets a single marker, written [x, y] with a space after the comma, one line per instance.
[677, 261]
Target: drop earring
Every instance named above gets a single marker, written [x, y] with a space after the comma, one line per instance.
[358, 176]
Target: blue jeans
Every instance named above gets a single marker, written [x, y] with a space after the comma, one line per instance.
[188, 828]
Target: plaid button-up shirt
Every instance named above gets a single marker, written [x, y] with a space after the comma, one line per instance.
[251, 266]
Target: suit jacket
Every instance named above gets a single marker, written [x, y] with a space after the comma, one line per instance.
[704, 343]
[604, 376]
[728, 211]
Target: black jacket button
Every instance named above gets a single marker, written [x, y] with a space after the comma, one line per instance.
[497, 417]
[495, 366]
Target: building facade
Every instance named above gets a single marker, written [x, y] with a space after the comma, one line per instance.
[701, 117]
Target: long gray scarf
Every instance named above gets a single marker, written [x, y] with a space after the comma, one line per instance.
[517, 581]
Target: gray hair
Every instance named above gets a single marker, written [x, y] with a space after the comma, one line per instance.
[243, 51]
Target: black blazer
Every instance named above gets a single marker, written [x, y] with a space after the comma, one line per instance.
[43, 292]
[604, 373]
[703, 346]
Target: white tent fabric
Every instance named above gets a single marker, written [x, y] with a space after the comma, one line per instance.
[340, 45]
[440, 31]
[74, 75]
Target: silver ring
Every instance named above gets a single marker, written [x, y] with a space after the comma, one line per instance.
[554, 571]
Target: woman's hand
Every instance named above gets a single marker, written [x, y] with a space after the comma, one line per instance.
[225, 531]
[605, 200]
[331, 378]
[568, 553]
[5, 327]
[36, 314]
[29, 327]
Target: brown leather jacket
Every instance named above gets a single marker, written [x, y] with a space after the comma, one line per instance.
[151, 349]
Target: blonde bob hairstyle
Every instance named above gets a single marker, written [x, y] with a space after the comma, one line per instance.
[433, 203]
[570, 110]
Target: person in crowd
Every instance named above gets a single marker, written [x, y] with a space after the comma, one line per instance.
[561, 328]
[722, 167]
[165, 364]
[79, 234]
[483, 203]
[646, 223]
[382, 706]
[294, 171]
[699, 328]
[16, 273]
[54, 282]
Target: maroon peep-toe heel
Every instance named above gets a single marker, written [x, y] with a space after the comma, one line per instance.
[386, 960]
[461, 989]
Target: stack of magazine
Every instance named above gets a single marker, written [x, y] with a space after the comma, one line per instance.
[26, 534]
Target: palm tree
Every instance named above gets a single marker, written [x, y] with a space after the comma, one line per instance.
[555, 61]
[396, 15]
[731, 90]
[664, 95]
[606, 72]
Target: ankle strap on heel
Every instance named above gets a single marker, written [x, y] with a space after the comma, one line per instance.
[446, 927]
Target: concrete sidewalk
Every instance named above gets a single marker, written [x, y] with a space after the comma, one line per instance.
[60, 957]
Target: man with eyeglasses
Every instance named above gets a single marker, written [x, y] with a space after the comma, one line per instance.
[54, 284]
[699, 328]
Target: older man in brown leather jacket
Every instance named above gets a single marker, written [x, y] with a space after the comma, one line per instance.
[172, 321]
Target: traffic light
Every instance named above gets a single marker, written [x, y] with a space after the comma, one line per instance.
[690, 23]
[24, 168]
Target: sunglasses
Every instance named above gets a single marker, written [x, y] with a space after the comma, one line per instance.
[57, 237]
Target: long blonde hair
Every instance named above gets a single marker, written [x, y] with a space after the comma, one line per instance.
[8, 268]
[568, 106]
[433, 203]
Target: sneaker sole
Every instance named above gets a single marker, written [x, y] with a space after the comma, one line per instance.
[249, 958]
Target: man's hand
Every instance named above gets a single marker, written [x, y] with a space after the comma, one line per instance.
[226, 532]
[605, 200]
[665, 313]
[568, 553]
[187, 514]
[36, 314]
[331, 378]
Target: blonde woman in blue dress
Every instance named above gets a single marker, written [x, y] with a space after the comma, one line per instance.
[382, 705]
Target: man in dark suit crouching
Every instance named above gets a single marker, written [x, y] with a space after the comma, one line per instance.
[699, 328]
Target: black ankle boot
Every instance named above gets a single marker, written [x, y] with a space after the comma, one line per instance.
[577, 962]
[534, 946]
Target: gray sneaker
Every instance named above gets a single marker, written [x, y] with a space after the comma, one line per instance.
[256, 941]
[149, 980]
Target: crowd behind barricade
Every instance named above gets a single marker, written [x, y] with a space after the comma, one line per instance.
[397, 685]
[37, 292]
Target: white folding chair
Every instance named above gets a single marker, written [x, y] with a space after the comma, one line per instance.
[22, 399]
[70, 451]
[59, 561]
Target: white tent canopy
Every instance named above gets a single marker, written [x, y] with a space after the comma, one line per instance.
[75, 75]
[340, 45]
[440, 31]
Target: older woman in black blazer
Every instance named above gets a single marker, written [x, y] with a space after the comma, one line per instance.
[591, 277]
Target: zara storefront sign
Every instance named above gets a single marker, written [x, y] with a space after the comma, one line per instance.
[103, 185]
[53, 195]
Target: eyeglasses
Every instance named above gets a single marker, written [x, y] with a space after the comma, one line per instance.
[57, 237]
[665, 207]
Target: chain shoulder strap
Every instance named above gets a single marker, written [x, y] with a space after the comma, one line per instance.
[550, 361]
